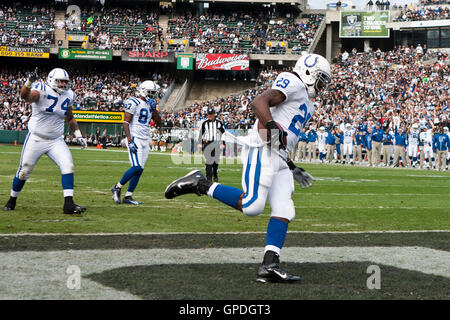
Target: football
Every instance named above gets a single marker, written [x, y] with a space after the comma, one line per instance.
[265, 134]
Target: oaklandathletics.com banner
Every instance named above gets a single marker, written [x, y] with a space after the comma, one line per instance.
[222, 61]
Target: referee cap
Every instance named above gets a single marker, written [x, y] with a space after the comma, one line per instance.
[211, 111]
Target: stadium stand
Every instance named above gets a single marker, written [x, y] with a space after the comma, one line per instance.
[27, 25]
[118, 28]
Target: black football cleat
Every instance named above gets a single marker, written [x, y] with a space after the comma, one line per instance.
[73, 209]
[116, 193]
[271, 272]
[193, 182]
[10, 205]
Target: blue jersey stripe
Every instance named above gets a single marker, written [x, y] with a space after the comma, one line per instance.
[256, 181]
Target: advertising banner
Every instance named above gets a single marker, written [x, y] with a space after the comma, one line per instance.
[148, 56]
[85, 54]
[358, 24]
[185, 61]
[98, 116]
[18, 52]
[222, 61]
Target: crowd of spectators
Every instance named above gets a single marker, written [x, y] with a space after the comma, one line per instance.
[118, 28]
[27, 25]
[422, 13]
[243, 31]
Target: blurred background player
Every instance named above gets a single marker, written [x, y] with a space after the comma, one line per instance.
[321, 143]
[268, 175]
[348, 134]
[136, 126]
[211, 131]
[413, 144]
[51, 106]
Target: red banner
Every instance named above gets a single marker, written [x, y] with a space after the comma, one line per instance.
[222, 61]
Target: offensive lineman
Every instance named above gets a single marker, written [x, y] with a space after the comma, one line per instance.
[51, 106]
[267, 173]
[136, 125]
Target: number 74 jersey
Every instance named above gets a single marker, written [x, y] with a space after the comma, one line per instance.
[142, 112]
[49, 112]
[295, 111]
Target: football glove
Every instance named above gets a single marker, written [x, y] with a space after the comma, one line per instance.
[132, 146]
[152, 104]
[82, 141]
[276, 134]
[32, 77]
[300, 175]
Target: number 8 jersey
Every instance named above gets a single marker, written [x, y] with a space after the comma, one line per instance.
[142, 113]
[48, 114]
[295, 111]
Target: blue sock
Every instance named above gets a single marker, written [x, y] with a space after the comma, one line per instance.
[67, 181]
[128, 174]
[228, 195]
[414, 159]
[276, 233]
[18, 184]
[134, 181]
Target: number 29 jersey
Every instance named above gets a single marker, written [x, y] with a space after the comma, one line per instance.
[295, 111]
[142, 113]
[49, 112]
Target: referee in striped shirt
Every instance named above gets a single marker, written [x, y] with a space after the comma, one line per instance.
[211, 132]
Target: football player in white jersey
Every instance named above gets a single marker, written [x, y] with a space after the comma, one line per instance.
[51, 106]
[426, 137]
[348, 134]
[413, 144]
[267, 174]
[321, 138]
[136, 125]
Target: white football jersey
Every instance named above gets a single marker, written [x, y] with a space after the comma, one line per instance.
[49, 113]
[413, 137]
[427, 137]
[142, 114]
[321, 137]
[295, 111]
[348, 135]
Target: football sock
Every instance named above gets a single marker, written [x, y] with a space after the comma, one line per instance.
[17, 186]
[129, 173]
[225, 194]
[128, 194]
[67, 184]
[276, 234]
[134, 181]
[119, 185]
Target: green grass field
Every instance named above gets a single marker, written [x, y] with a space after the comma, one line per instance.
[343, 198]
[195, 248]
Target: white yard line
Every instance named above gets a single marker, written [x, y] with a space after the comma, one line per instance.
[5, 235]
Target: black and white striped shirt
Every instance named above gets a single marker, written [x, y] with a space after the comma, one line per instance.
[211, 131]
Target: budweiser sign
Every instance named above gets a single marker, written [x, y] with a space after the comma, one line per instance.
[222, 61]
